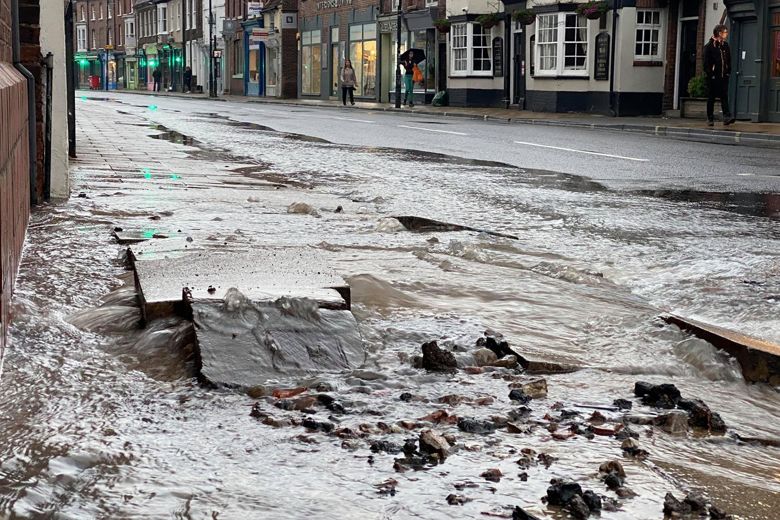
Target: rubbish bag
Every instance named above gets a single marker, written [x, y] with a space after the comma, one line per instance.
[440, 99]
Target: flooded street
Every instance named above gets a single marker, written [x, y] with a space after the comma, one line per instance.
[101, 418]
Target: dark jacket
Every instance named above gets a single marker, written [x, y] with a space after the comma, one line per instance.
[717, 60]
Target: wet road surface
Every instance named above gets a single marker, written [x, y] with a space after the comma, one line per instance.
[110, 423]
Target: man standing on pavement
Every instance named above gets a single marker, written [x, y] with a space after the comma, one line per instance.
[156, 75]
[188, 79]
[717, 68]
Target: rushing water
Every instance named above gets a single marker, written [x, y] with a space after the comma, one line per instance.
[102, 419]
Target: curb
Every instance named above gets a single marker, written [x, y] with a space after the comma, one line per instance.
[671, 132]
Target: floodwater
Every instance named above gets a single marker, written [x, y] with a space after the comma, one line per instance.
[102, 419]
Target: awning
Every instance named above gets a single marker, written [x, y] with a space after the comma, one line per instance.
[419, 20]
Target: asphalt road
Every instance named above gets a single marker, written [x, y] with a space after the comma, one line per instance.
[618, 160]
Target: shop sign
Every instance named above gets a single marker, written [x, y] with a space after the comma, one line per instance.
[332, 4]
[258, 34]
[388, 26]
[601, 70]
[254, 9]
[289, 21]
[498, 57]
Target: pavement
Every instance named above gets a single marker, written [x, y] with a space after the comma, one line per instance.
[740, 133]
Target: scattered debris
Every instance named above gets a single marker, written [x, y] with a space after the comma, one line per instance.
[437, 359]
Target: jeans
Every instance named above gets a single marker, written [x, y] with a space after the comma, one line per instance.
[718, 88]
[409, 84]
[351, 91]
[156, 86]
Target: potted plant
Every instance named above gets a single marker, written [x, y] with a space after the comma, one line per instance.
[592, 10]
[489, 20]
[695, 105]
[443, 25]
[524, 16]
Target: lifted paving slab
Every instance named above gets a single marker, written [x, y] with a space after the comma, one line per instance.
[759, 359]
[246, 344]
[263, 275]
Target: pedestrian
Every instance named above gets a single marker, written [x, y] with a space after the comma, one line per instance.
[717, 67]
[409, 79]
[187, 79]
[348, 83]
[156, 75]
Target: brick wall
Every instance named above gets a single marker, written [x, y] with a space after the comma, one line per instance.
[14, 169]
[671, 55]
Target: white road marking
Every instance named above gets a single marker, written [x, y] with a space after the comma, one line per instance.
[746, 174]
[582, 151]
[431, 130]
[355, 120]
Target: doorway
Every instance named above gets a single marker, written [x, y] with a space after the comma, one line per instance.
[688, 32]
[773, 108]
[518, 70]
[747, 60]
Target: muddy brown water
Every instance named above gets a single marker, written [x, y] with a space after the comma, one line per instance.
[99, 419]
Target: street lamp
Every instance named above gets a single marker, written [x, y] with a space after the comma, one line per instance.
[212, 86]
[399, 14]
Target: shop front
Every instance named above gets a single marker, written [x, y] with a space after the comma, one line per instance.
[255, 38]
[417, 32]
[332, 31]
[152, 62]
[131, 72]
[87, 65]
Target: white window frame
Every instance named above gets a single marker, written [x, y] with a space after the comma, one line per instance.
[81, 38]
[560, 69]
[101, 11]
[83, 14]
[109, 37]
[110, 10]
[649, 27]
[456, 59]
[94, 39]
[162, 18]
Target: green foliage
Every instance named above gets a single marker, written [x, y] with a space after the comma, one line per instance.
[489, 20]
[524, 16]
[697, 87]
[442, 24]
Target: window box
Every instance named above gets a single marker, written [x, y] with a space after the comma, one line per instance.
[442, 25]
[524, 16]
[489, 20]
[592, 10]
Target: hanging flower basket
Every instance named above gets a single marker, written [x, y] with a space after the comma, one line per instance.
[592, 10]
[442, 25]
[524, 16]
[489, 20]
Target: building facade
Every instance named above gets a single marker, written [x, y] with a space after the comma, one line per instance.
[755, 40]
[331, 31]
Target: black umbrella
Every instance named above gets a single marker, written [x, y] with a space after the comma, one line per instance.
[417, 55]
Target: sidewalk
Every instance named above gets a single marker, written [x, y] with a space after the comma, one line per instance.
[765, 135]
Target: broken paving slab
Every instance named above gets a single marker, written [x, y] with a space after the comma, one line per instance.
[263, 275]
[426, 225]
[241, 343]
[759, 359]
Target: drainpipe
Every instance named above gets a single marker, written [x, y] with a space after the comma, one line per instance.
[612, 101]
[507, 54]
[49, 64]
[16, 48]
[70, 13]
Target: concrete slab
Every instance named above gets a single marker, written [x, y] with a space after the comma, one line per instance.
[244, 344]
[264, 275]
[759, 359]
[427, 225]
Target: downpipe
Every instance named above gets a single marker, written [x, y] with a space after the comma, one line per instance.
[613, 110]
[69, 73]
[49, 64]
[31, 121]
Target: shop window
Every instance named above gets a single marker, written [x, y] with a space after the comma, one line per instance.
[561, 45]
[311, 62]
[470, 44]
[254, 64]
[647, 45]
[774, 38]
[362, 54]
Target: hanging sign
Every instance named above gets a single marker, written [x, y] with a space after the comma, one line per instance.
[601, 70]
[254, 9]
[498, 57]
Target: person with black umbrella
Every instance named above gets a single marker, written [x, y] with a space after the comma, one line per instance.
[408, 64]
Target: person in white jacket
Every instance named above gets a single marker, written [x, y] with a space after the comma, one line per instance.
[347, 83]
